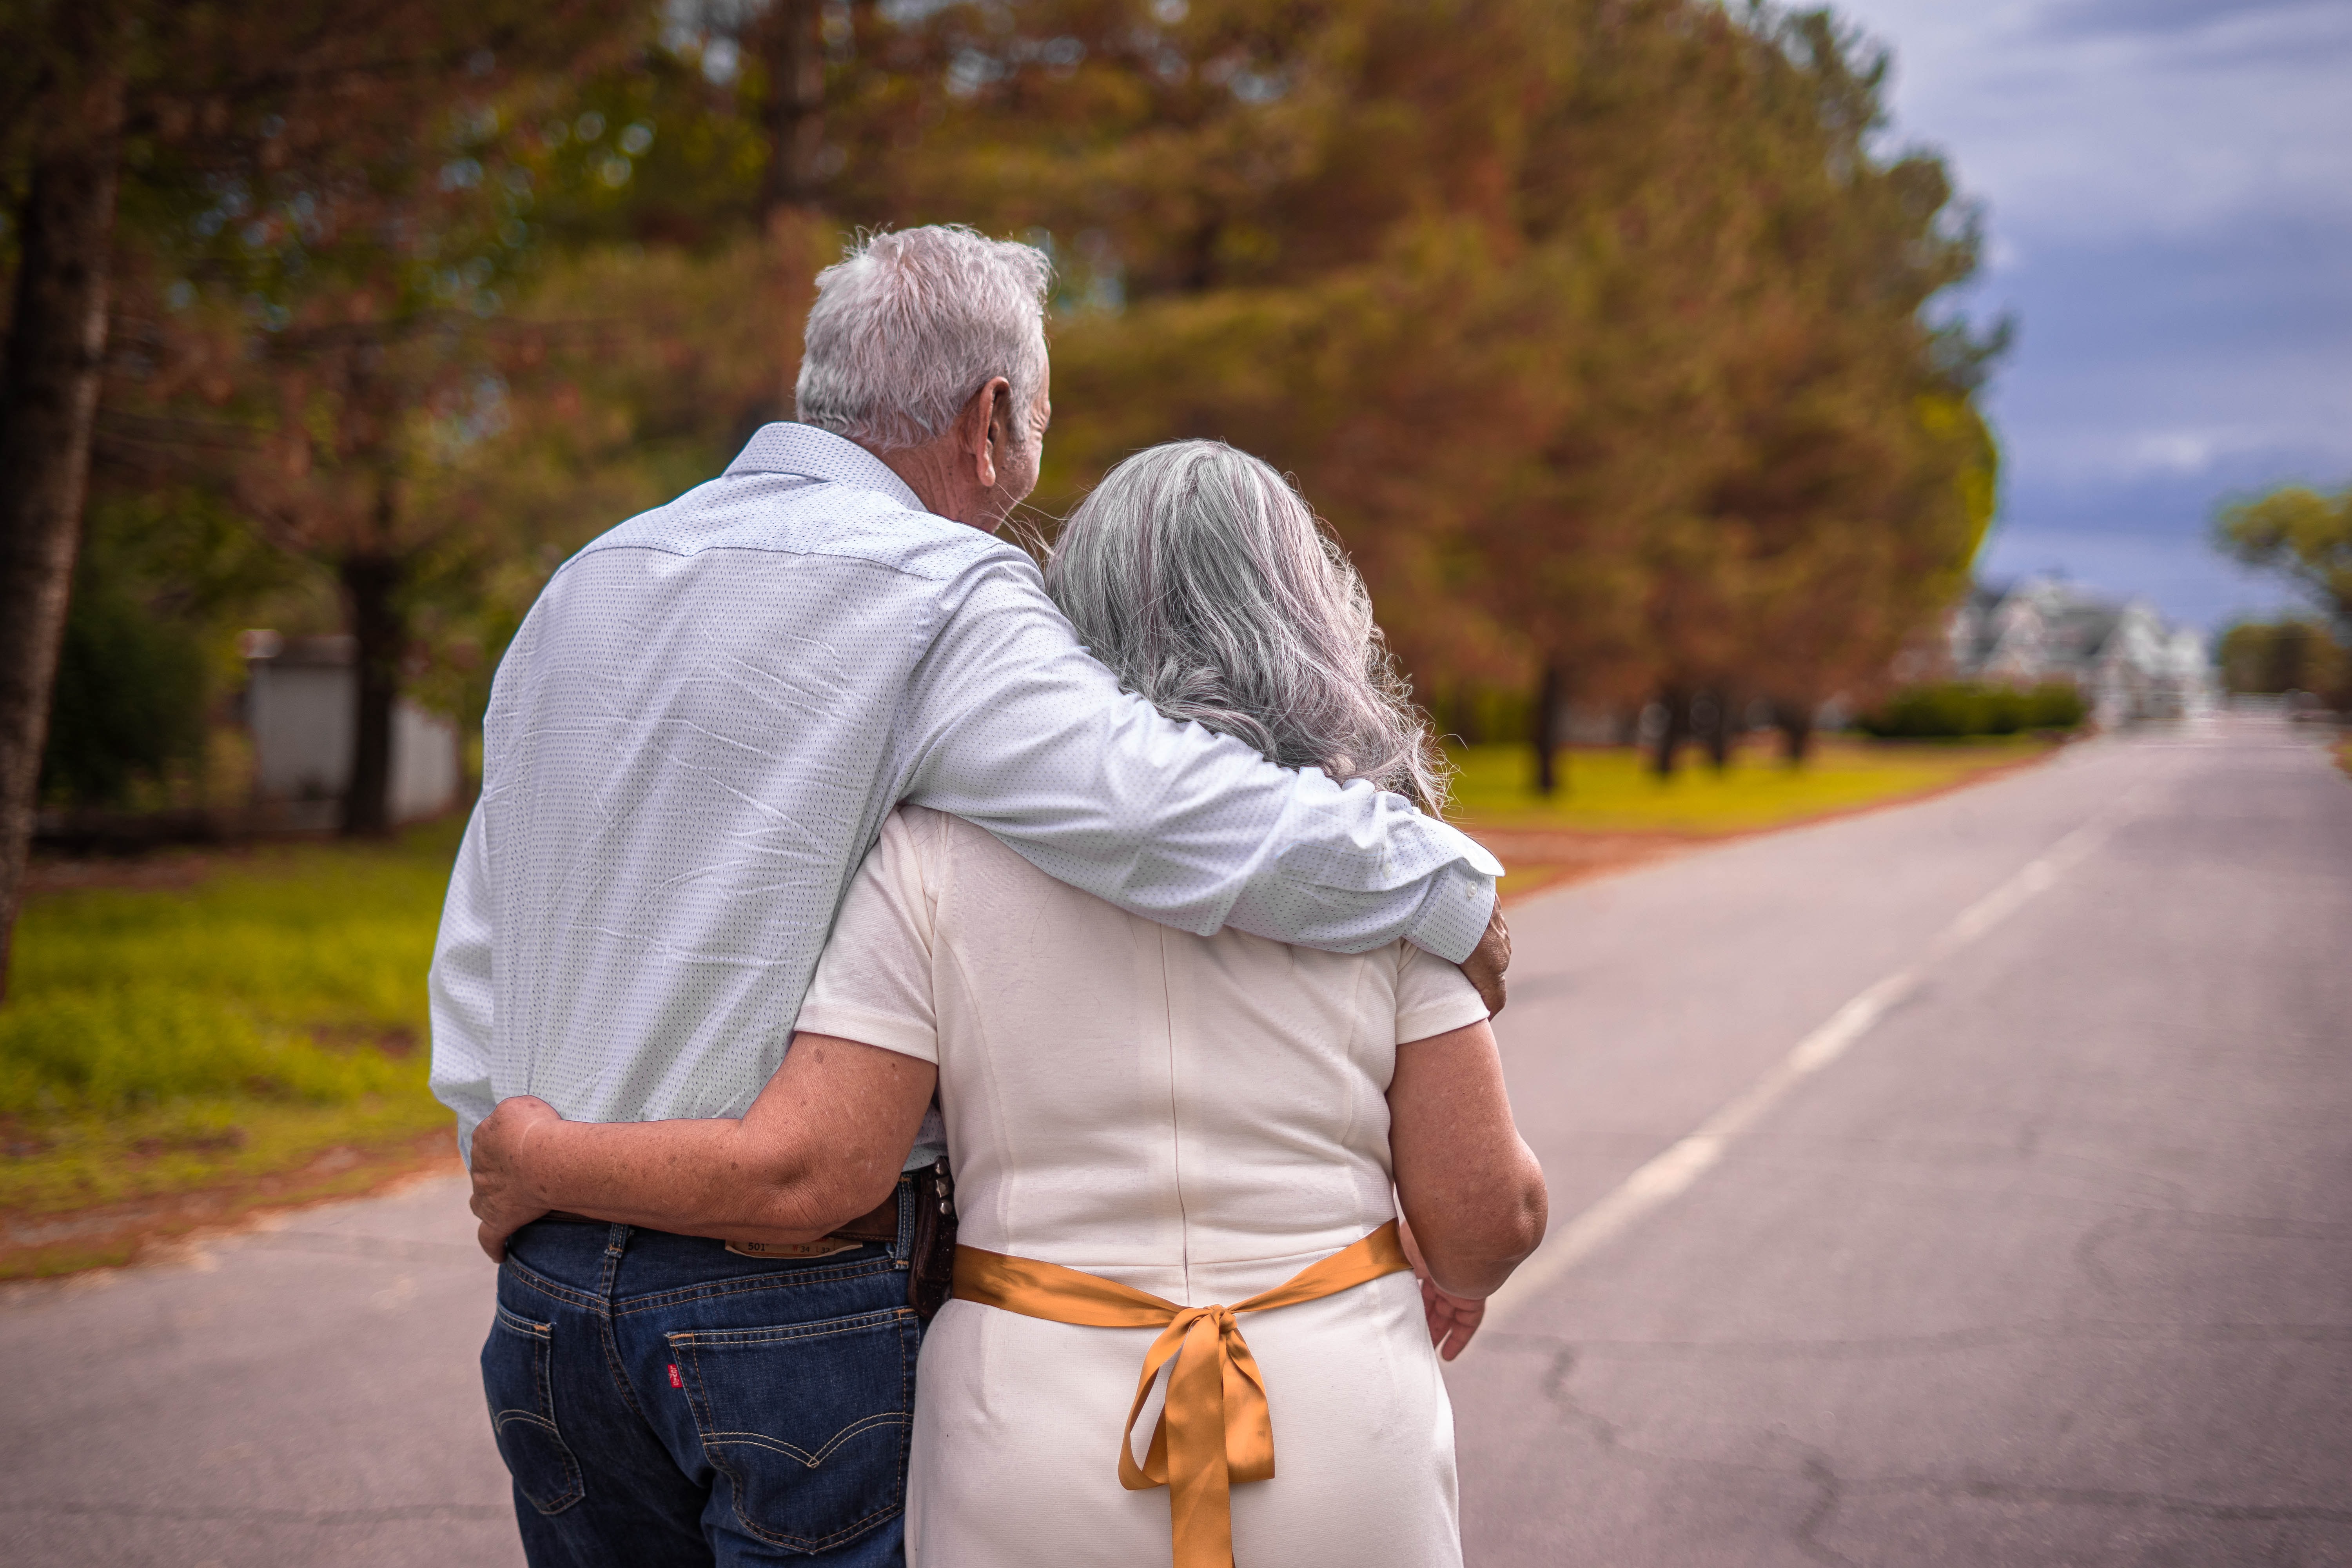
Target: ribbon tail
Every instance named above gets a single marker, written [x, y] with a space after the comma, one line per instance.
[1200, 1503]
[1249, 1422]
[1153, 1472]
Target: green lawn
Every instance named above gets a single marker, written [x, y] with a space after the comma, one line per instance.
[271, 1013]
[1611, 790]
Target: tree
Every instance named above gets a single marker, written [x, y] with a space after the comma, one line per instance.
[2277, 657]
[173, 97]
[2304, 534]
[72, 96]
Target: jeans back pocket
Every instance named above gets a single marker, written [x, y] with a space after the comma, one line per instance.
[810, 1422]
[517, 1375]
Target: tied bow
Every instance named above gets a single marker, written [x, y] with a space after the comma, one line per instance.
[1215, 1429]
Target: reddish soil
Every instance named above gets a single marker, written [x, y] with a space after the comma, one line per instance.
[33, 1246]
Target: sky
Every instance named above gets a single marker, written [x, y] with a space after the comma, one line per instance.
[2166, 191]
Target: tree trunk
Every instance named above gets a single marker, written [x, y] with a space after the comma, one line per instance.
[1676, 702]
[1718, 732]
[1796, 723]
[1548, 693]
[48, 398]
[372, 585]
[794, 54]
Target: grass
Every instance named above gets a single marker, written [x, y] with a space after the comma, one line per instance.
[269, 1019]
[1611, 791]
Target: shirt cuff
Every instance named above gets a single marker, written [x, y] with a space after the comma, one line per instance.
[1454, 914]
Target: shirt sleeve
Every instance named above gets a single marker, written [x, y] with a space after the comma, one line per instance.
[1016, 728]
[461, 991]
[1432, 997]
[872, 983]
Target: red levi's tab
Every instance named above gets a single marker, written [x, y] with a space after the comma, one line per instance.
[676, 1381]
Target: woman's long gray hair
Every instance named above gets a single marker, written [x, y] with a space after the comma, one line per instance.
[1199, 577]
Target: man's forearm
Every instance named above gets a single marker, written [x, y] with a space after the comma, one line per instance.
[689, 1178]
[1025, 735]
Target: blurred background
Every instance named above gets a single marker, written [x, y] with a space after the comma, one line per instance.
[1748, 418]
[1741, 414]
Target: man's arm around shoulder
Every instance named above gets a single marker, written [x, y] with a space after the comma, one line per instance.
[1016, 728]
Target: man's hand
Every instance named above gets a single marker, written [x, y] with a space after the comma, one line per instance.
[1488, 961]
[503, 1199]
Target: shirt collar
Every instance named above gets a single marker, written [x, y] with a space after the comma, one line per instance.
[812, 453]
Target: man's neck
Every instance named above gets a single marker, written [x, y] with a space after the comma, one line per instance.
[931, 471]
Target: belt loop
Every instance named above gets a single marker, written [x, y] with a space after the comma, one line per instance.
[903, 1249]
[616, 1241]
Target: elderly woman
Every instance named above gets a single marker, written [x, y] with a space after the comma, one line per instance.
[1181, 1161]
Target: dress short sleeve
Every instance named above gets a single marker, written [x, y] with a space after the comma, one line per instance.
[873, 983]
[1433, 996]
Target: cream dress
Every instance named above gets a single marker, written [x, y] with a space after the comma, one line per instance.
[1196, 1117]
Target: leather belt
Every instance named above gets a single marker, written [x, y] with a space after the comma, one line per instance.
[879, 1223]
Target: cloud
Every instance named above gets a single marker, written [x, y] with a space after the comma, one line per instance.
[2168, 187]
[2089, 117]
[2165, 19]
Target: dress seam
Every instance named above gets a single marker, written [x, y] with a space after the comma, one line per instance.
[1175, 1119]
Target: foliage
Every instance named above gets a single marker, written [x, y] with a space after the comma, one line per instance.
[129, 703]
[2304, 534]
[2277, 657]
[144, 650]
[1599, 332]
[1612, 792]
[220, 1021]
[1616, 365]
[1958, 709]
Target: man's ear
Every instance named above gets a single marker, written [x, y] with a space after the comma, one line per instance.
[985, 421]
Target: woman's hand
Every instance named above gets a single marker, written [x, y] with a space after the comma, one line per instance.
[504, 1200]
[1452, 1319]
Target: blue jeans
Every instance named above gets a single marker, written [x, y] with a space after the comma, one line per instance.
[659, 1400]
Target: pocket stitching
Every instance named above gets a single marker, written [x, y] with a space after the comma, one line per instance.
[808, 1460]
[786, 1332]
[687, 1344]
[543, 1339]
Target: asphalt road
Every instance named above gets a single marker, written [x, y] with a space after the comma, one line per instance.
[2049, 1262]
[1969, 1183]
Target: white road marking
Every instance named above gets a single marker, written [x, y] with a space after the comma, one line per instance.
[1672, 1172]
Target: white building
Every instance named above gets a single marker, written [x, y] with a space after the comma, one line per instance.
[2126, 661]
[301, 703]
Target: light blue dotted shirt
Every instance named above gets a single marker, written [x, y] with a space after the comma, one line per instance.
[703, 722]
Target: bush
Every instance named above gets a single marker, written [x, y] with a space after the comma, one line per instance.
[129, 703]
[2055, 705]
[1952, 709]
[2275, 656]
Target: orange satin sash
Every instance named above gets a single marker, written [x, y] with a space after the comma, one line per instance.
[1213, 1428]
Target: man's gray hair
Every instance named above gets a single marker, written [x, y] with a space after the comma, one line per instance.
[1203, 580]
[909, 323]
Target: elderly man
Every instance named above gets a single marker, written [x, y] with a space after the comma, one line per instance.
[690, 746]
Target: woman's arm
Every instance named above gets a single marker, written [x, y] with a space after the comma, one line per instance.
[1473, 1195]
[822, 1144]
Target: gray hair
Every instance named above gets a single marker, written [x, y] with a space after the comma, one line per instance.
[1203, 580]
[908, 325]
